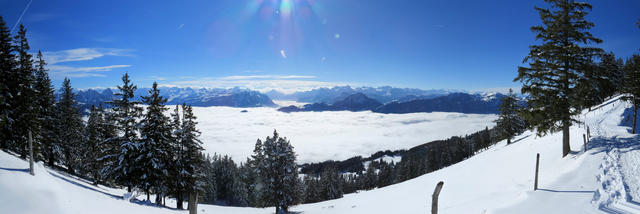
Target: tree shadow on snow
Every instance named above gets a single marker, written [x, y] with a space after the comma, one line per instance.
[84, 186]
[566, 191]
[627, 120]
[15, 169]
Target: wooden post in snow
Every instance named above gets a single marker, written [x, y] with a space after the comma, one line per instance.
[535, 184]
[584, 138]
[193, 202]
[588, 133]
[434, 198]
[31, 171]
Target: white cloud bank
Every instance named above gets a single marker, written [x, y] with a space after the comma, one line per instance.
[319, 136]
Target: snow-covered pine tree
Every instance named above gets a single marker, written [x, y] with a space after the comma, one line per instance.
[110, 146]
[631, 86]
[555, 66]
[192, 157]
[45, 102]
[70, 127]
[509, 122]
[279, 173]
[256, 163]
[24, 112]
[187, 166]
[7, 83]
[331, 183]
[155, 132]
[371, 178]
[126, 113]
[95, 137]
[176, 185]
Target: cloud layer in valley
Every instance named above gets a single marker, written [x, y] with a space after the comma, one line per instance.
[319, 136]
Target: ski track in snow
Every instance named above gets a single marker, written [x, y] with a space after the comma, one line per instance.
[619, 176]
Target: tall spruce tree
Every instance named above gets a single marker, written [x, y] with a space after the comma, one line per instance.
[631, 86]
[509, 122]
[7, 83]
[191, 146]
[126, 112]
[110, 146]
[556, 65]
[155, 144]
[70, 127]
[24, 112]
[279, 173]
[45, 102]
[95, 138]
[187, 173]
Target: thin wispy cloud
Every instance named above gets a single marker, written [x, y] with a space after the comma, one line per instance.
[180, 27]
[60, 71]
[263, 83]
[83, 54]
[266, 77]
[57, 59]
[284, 56]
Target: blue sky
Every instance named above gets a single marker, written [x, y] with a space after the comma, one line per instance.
[298, 44]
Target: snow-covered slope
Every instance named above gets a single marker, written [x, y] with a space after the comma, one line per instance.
[602, 179]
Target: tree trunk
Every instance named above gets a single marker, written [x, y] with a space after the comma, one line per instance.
[635, 112]
[193, 202]
[51, 158]
[159, 199]
[31, 154]
[566, 147]
[180, 200]
[277, 209]
[148, 196]
[508, 141]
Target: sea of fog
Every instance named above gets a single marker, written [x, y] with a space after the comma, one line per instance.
[320, 136]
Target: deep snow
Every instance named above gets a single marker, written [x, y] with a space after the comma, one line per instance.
[602, 179]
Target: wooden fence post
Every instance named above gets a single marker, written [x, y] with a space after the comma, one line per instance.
[535, 184]
[584, 138]
[588, 133]
[434, 198]
[31, 171]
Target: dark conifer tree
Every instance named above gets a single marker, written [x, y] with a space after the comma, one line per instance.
[126, 112]
[509, 122]
[24, 112]
[8, 82]
[95, 138]
[332, 185]
[631, 86]
[70, 127]
[155, 144]
[188, 156]
[556, 65]
[45, 102]
[279, 173]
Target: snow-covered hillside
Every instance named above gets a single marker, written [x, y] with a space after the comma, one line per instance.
[602, 179]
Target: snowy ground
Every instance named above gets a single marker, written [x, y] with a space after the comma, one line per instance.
[602, 179]
[332, 135]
